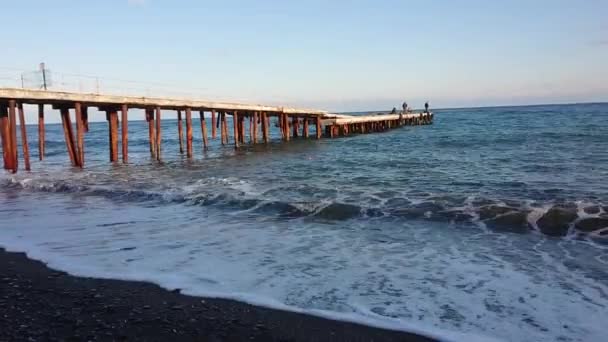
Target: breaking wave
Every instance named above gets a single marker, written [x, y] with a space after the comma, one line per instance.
[577, 219]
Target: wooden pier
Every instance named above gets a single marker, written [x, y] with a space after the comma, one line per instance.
[292, 122]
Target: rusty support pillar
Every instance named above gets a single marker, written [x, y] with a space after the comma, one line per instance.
[222, 122]
[242, 128]
[213, 128]
[125, 133]
[69, 135]
[41, 135]
[180, 131]
[158, 135]
[113, 133]
[204, 129]
[24, 145]
[226, 132]
[79, 133]
[295, 123]
[189, 132]
[5, 135]
[305, 128]
[255, 126]
[281, 125]
[264, 127]
[13, 134]
[235, 123]
[250, 128]
[287, 133]
[151, 131]
[220, 125]
[85, 118]
[318, 124]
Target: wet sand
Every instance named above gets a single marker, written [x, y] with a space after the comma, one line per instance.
[41, 304]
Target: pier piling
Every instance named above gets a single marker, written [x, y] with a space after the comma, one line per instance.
[188, 132]
[305, 129]
[158, 134]
[319, 128]
[69, 134]
[113, 134]
[5, 136]
[13, 135]
[222, 123]
[235, 124]
[264, 127]
[24, 145]
[295, 123]
[79, 133]
[125, 133]
[85, 118]
[151, 132]
[41, 133]
[242, 128]
[213, 127]
[255, 127]
[180, 132]
[204, 128]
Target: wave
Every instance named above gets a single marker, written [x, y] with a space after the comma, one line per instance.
[575, 219]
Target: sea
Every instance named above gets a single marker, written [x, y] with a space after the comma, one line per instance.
[431, 229]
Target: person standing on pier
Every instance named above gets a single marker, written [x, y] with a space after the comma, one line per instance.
[404, 107]
[426, 107]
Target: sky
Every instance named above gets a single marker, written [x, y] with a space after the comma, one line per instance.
[336, 55]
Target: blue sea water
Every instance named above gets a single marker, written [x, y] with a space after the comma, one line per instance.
[426, 228]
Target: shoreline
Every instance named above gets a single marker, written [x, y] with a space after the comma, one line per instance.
[40, 303]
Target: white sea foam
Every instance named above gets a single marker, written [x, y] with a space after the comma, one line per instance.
[454, 283]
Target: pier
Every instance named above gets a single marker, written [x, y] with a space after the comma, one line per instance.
[292, 122]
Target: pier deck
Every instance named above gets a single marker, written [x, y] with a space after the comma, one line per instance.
[292, 122]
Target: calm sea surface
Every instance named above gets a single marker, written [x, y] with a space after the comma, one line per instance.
[405, 228]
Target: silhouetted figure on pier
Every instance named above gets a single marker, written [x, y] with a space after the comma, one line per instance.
[426, 107]
[394, 111]
[404, 107]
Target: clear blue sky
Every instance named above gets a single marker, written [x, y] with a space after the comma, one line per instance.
[336, 55]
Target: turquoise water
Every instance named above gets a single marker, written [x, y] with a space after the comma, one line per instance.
[435, 228]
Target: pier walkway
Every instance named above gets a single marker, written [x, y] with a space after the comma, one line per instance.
[292, 122]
